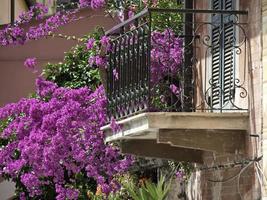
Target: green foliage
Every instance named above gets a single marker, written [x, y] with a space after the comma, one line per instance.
[133, 190]
[160, 21]
[84, 184]
[112, 196]
[3, 125]
[184, 167]
[75, 71]
[121, 194]
[149, 190]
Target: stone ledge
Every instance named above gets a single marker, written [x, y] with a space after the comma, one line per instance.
[208, 132]
[147, 125]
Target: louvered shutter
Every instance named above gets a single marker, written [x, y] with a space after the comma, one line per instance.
[222, 80]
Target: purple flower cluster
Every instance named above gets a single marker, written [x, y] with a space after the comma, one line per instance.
[99, 48]
[50, 25]
[30, 63]
[18, 35]
[166, 55]
[90, 43]
[175, 90]
[14, 34]
[105, 42]
[32, 183]
[115, 127]
[179, 174]
[58, 135]
[95, 4]
[38, 11]
[66, 193]
[99, 61]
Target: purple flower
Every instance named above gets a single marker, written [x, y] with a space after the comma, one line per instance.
[101, 61]
[106, 189]
[32, 183]
[30, 63]
[22, 196]
[90, 43]
[66, 193]
[104, 41]
[17, 35]
[95, 4]
[130, 13]
[175, 90]
[38, 11]
[115, 74]
[166, 55]
[179, 174]
[154, 2]
[84, 3]
[145, 2]
[115, 127]
[91, 60]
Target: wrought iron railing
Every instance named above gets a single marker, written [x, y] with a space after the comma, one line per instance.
[211, 74]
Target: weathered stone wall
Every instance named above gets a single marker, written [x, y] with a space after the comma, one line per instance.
[264, 63]
[240, 181]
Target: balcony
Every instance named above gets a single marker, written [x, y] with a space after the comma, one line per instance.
[178, 87]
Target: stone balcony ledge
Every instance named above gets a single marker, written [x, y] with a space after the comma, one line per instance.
[195, 131]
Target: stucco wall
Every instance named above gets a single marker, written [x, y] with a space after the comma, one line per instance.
[16, 81]
[210, 183]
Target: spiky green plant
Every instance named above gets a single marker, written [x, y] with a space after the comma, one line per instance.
[150, 190]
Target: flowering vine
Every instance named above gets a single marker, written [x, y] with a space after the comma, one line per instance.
[53, 138]
[166, 55]
[14, 34]
[92, 3]
[37, 12]
[100, 48]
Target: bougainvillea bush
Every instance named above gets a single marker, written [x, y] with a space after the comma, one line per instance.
[50, 141]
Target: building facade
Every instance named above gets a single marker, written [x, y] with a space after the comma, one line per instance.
[219, 122]
[10, 10]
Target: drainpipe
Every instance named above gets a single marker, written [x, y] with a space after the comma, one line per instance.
[12, 11]
[188, 65]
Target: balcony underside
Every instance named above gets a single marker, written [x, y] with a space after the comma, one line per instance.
[181, 136]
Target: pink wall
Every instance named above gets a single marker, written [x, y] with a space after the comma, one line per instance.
[16, 81]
